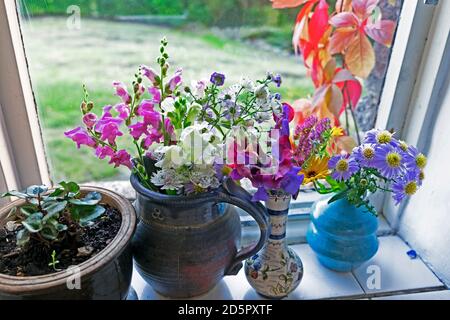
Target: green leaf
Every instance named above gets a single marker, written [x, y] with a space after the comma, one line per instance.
[88, 216]
[49, 232]
[72, 188]
[58, 192]
[29, 209]
[14, 193]
[55, 207]
[338, 196]
[34, 190]
[34, 222]
[22, 237]
[91, 199]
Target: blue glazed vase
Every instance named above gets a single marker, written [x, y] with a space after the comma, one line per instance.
[342, 235]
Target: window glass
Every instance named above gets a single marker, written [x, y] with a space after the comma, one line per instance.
[94, 42]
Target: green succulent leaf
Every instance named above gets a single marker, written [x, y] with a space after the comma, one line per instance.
[34, 222]
[22, 237]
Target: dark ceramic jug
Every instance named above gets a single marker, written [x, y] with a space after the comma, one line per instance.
[184, 245]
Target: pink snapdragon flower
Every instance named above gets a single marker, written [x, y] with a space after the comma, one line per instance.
[103, 152]
[175, 81]
[122, 92]
[80, 136]
[106, 119]
[110, 132]
[121, 158]
[146, 110]
[149, 73]
[156, 95]
[154, 136]
[123, 110]
[138, 129]
[90, 119]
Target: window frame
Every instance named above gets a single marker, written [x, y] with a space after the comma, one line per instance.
[24, 161]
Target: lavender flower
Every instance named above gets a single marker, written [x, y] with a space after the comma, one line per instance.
[343, 166]
[218, 79]
[389, 161]
[365, 155]
[405, 186]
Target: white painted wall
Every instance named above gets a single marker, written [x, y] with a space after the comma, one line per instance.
[425, 221]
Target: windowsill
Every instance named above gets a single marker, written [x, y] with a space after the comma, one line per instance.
[401, 277]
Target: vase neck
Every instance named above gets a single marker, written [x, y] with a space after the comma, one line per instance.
[277, 208]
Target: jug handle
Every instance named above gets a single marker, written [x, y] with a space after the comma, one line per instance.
[231, 193]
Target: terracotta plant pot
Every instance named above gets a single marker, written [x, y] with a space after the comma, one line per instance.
[105, 276]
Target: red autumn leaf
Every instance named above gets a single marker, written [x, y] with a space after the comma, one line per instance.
[360, 56]
[381, 31]
[302, 26]
[318, 23]
[339, 41]
[364, 8]
[280, 4]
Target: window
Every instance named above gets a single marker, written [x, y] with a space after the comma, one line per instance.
[94, 42]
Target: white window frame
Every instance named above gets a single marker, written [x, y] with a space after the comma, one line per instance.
[22, 156]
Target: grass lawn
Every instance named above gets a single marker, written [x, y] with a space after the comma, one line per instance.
[61, 60]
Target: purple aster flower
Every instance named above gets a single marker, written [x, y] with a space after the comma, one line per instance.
[376, 136]
[389, 161]
[218, 79]
[414, 160]
[343, 166]
[277, 96]
[407, 185]
[365, 155]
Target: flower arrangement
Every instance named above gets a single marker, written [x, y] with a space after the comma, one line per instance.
[382, 163]
[179, 132]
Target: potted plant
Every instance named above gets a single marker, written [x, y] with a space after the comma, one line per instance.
[188, 237]
[343, 228]
[70, 242]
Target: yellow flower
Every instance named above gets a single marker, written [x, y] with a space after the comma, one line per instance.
[317, 169]
[337, 132]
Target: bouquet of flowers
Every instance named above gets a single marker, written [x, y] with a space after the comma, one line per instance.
[179, 133]
[381, 162]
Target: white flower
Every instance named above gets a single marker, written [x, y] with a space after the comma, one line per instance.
[199, 88]
[263, 116]
[247, 84]
[172, 157]
[167, 179]
[168, 104]
[204, 177]
[262, 93]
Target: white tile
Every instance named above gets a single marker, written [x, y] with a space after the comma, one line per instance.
[397, 271]
[318, 282]
[433, 295]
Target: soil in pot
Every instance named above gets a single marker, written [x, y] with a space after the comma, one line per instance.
[33, 259]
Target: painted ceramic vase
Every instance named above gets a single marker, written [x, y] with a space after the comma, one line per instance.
[276, 270]
[342, 235]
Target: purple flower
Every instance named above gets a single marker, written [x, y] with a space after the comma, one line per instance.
[121, 158]
[376, 136]
[80, 136]
[277, 80]
[260, 195]
[103, 152]
[365, 155]
[414, 160]
[389, 161]
[277, 96]
[292, 181]
[175, 81]
[106, 118]
[149, 73]
[90, 119]
[122, 92]
[146, 110]
[123, 110]
[406, 185]
[154, 136]
[110, 132]
[343, 166]
[218, 79]
[138, 129]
